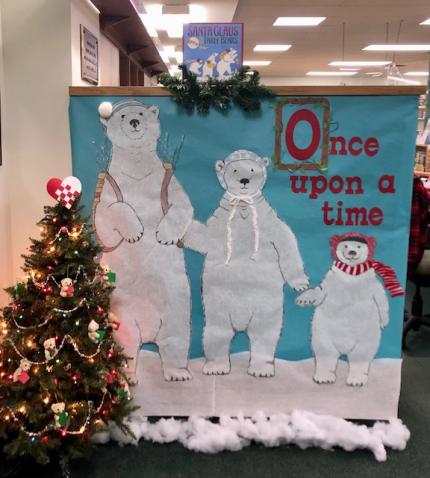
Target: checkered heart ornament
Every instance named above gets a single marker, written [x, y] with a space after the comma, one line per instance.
[64, 190]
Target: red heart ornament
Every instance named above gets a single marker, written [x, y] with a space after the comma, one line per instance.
[23, 377]
[64, 190]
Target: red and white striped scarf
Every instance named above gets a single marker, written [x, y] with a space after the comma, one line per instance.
[387, 274]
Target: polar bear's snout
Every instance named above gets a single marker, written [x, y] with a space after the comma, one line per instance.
[244, 182]
[134, 123]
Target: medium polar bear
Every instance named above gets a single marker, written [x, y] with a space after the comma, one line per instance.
[208, 67]
[227, 58]
[152, 294]
[250, 254]
[351, 309]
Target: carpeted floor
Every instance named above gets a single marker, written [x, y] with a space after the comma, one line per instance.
[158, 461]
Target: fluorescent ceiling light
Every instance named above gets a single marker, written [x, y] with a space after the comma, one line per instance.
[331, 73]
[349, 69]
[257, 63]
[298, 21]
[416, 73]
[403, 80]
[272, 47]
[425, 22]
[397, 48]
[374, 73]
[359, 63]
[155, 20]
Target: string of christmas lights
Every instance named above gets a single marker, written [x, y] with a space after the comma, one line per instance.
[64, 230]
[63, 431]
[57, 351]
[49, 277]
[21, 327]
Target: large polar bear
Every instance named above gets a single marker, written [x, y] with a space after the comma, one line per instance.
[152, 294]
[250, 254]
[227, 58]
[351, 309]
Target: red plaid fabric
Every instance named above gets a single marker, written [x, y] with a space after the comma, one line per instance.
[420, 219]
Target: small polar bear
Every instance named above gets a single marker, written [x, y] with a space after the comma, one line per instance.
[250, 255]
[227, 58]
[152, 294]
[351, 309]
[195, 67]
[208, 67]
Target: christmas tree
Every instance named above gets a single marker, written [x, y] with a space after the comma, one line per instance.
[61, 372]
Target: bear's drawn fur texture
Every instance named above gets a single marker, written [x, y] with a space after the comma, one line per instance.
[351, 309]
[250, 254]
[152, 293]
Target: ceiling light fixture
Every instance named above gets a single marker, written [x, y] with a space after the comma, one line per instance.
[349, 69]
[421, 47]
[403, 80]
[331, 73]
[359, 63]
[298, 21]
[425, 22]
[272, 47]
[155, 19]
[416, 73]
[257, 62]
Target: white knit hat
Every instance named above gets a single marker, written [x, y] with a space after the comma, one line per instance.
[239, 155]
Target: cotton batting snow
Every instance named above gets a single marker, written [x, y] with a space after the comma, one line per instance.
[301, 428]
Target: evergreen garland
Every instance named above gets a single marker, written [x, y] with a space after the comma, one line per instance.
[243, 89]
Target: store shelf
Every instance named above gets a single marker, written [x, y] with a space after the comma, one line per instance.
[422, 173]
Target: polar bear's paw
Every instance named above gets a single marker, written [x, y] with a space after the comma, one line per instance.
[216, 367]
[357, 379]
[177, 374]
[169, 232]
[310, 297]
[262, 369]
[324, 377]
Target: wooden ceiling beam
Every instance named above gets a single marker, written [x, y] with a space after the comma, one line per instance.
[109, 21]
[132, 49]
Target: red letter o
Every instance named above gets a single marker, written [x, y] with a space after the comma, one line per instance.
[306, 153]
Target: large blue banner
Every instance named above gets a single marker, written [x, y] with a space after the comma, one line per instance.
[261, 259]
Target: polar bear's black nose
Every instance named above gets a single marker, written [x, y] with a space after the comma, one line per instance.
[244, 181]
[134, 123]
[352, 253]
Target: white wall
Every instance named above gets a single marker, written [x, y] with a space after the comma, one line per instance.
[83, 12]
[40, 49]
[109, 62]
[5, 237]
[36, 146]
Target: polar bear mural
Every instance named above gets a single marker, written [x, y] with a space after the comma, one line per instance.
[250, 254]
[152, 294]
[351, 309]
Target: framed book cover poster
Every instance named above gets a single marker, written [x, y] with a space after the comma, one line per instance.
[213, 50]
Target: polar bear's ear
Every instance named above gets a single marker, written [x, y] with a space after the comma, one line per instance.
[105, 111]
[155, 110]
[266, 161]
[219, 165]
